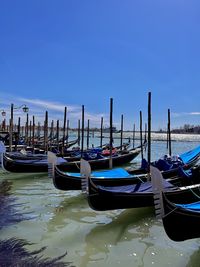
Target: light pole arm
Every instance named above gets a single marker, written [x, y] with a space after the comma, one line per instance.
[24, 107]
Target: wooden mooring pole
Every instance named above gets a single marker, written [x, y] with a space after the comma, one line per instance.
[169, 133]
[133, 135]
[79, 133]
[149, 132]
[101, 133]
[11, 128]
[141, 138]
[64, 129]
[122, 128]
[33, 133]
[111, 132]
[88, 134]
[82, 131]
[57, 135]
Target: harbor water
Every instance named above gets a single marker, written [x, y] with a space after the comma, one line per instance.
[63, 221]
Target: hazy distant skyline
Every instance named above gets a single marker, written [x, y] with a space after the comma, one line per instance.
[72, 53]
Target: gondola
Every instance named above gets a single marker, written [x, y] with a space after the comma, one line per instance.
[139, 194]
[24, 155]
[68, 181]
[35, 165]
[95, 152]
[67, 145]
[102, 162]
[72, 181]
[181, 215]
[170, 165]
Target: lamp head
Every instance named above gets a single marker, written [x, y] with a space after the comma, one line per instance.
[25, 109]
[3, 113]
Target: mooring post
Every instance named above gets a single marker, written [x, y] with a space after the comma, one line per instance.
[111, 132]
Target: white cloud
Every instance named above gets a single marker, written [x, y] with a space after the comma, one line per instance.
[194, 113]
[182, 114]
[37, 107]
[50, 105]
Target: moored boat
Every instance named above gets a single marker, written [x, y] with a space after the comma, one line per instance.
[180, 216]
[41, 165]
[139, 193]
[66, 180]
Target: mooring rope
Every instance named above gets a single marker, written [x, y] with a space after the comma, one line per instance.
[194, 193]
[170, 212]
[77, 165]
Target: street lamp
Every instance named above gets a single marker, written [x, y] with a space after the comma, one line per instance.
[3, 113]
[24, 108]
[3, 125]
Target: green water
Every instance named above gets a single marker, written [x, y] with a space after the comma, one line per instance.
[63, 221]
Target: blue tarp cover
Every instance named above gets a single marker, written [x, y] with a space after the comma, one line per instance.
[192, 206]
[135, 188]
[115, 173]
[32, 161]
[190, 155]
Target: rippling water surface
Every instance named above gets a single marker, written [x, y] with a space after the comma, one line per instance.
[63, 221]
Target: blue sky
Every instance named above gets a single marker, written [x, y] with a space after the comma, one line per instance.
[73, 53]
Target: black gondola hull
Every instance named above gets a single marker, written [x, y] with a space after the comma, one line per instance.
[103, 163]
[100, 199]
[180, 224]
[26, 166]
[34, 166]
[64, 181]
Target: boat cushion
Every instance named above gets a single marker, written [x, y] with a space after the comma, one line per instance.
[163, 165]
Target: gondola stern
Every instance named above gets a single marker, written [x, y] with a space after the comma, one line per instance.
[85, 170]
[2, 153]
[157, 188]
[52, 159]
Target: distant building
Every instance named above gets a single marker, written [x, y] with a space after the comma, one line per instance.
[114, 130]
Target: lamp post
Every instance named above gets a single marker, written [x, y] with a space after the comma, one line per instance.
[3, 114]
[25, 109]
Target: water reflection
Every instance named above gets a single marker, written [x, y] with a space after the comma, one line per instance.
[13, 176]
[194, 259]
[126, 226]
[9, 213]
[64, 221]
[108, 238]
[12, 251]
[71, 208]
[94, 234]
